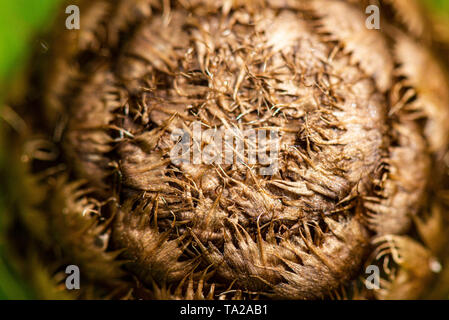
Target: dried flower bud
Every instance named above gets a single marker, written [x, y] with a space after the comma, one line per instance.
[360, 119]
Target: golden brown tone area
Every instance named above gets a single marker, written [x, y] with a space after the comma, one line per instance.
[361, 118]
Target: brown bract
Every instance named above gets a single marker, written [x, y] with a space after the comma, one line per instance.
[361, 119]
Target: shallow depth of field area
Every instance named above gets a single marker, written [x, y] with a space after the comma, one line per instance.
[22, 24]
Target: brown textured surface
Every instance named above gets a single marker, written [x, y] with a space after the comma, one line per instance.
[362, 134]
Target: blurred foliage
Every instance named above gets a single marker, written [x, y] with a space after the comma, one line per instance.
[20, 21]
[442, 5]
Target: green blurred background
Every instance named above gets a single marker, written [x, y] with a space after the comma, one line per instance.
[21, 22]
